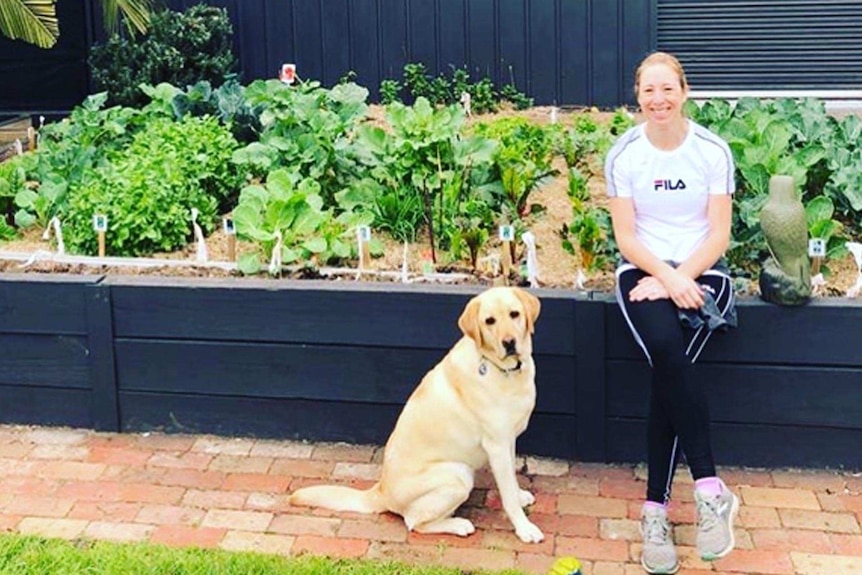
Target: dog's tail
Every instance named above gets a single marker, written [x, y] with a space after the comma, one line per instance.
[340, 498]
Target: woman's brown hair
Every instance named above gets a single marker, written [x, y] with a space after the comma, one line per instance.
[661, 58]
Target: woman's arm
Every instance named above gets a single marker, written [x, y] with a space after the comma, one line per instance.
[676, 283]
[719, 212]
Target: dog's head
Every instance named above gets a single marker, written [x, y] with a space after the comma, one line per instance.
[501, 322]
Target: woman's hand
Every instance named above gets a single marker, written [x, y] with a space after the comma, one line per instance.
[683, 290]
[648, 289]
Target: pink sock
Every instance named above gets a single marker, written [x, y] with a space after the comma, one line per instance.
[654, 505]
[711, 486]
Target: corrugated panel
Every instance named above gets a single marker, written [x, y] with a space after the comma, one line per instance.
[765, 44]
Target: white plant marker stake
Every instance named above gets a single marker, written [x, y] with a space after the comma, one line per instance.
[507, 235]
[201, 243]
[230, 232]
[287, 74]
[19, 147]
[856, 249]
[275, 260]
[580, 279]
[532, 259]
[467, 103]
[554, 112]
[100, 225]
[404, 278]
[816, 251]
[58, 233]
[363, 236]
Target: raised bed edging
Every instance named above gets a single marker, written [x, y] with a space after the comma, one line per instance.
[335, 361]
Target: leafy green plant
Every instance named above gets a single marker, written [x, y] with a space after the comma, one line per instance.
[148, 189]
[288, 211]
[308, 128]
[180, 48]
[522, 159]
[425, 157]
[818, 213]
[389, 91]
[590, 235]
[227, 103]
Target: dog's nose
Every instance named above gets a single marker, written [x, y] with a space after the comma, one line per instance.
[509, 346]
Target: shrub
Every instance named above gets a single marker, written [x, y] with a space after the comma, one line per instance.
[148, 190]
[180, 48]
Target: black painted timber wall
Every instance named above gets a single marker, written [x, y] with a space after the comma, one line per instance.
[336, 361]
[562, 52]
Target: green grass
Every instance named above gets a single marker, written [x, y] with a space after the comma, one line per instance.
[23, 555]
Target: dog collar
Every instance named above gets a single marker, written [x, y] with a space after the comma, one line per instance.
[483, 367]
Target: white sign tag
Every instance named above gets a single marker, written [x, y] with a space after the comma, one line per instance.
[100, 223]
[816, 248]
[507, 233]
[363, 233]
[287, 73]
[228, 226]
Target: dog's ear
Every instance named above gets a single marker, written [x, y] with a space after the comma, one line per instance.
[531, 305]
[469, 321]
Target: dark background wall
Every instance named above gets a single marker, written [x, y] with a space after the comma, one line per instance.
[560, 52]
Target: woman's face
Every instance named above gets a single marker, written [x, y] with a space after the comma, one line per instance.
[660, 94]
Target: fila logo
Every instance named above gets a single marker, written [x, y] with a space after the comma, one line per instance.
[668, 185]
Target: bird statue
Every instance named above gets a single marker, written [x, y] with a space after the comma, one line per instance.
[785, 278]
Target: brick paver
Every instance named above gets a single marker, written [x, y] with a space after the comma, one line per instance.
[232, 494]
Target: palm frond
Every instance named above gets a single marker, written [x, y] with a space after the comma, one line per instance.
[135, 14]
[33, 21]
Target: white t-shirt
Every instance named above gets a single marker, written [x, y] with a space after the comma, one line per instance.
[670, 189]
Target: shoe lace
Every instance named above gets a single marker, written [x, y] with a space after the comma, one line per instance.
[656, 529]
[707, 514]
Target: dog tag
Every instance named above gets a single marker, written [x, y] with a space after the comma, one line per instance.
[483, 368]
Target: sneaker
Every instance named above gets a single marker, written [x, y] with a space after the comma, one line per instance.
[659, 554]
[715, 523]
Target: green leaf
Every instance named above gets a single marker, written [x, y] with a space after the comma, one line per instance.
[315, 245]
[33, 21]
[819, 209]
[248, 264]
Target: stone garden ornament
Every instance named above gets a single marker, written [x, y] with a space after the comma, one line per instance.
[785, 278]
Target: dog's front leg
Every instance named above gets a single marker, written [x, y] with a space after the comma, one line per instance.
[502, 462]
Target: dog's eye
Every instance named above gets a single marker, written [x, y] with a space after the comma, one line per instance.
[514, 314]
[490, 321]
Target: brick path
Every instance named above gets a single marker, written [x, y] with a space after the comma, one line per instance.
[231, 493]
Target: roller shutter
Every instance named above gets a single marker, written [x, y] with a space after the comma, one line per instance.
[739, 45]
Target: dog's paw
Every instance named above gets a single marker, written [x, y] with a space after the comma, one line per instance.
[461, 526]
[529, 533]
[525, 498]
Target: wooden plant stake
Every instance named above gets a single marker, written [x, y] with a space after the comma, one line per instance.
[507, 235]
[363, 236]
[230, 235]
[100, 225]
[31, 139]
[816, 251]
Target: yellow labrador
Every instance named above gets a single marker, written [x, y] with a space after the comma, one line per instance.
[467, 411]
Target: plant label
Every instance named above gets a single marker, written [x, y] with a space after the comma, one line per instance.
[288, 73]
[363, 234]
[507, 233]
[100, 223]
[816, 248]
[229, 228]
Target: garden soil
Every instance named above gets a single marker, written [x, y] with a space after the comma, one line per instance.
[557, 267]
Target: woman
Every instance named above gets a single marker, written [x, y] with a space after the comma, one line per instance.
[670, 183]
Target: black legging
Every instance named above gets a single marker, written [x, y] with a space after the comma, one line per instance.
[679, 412]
